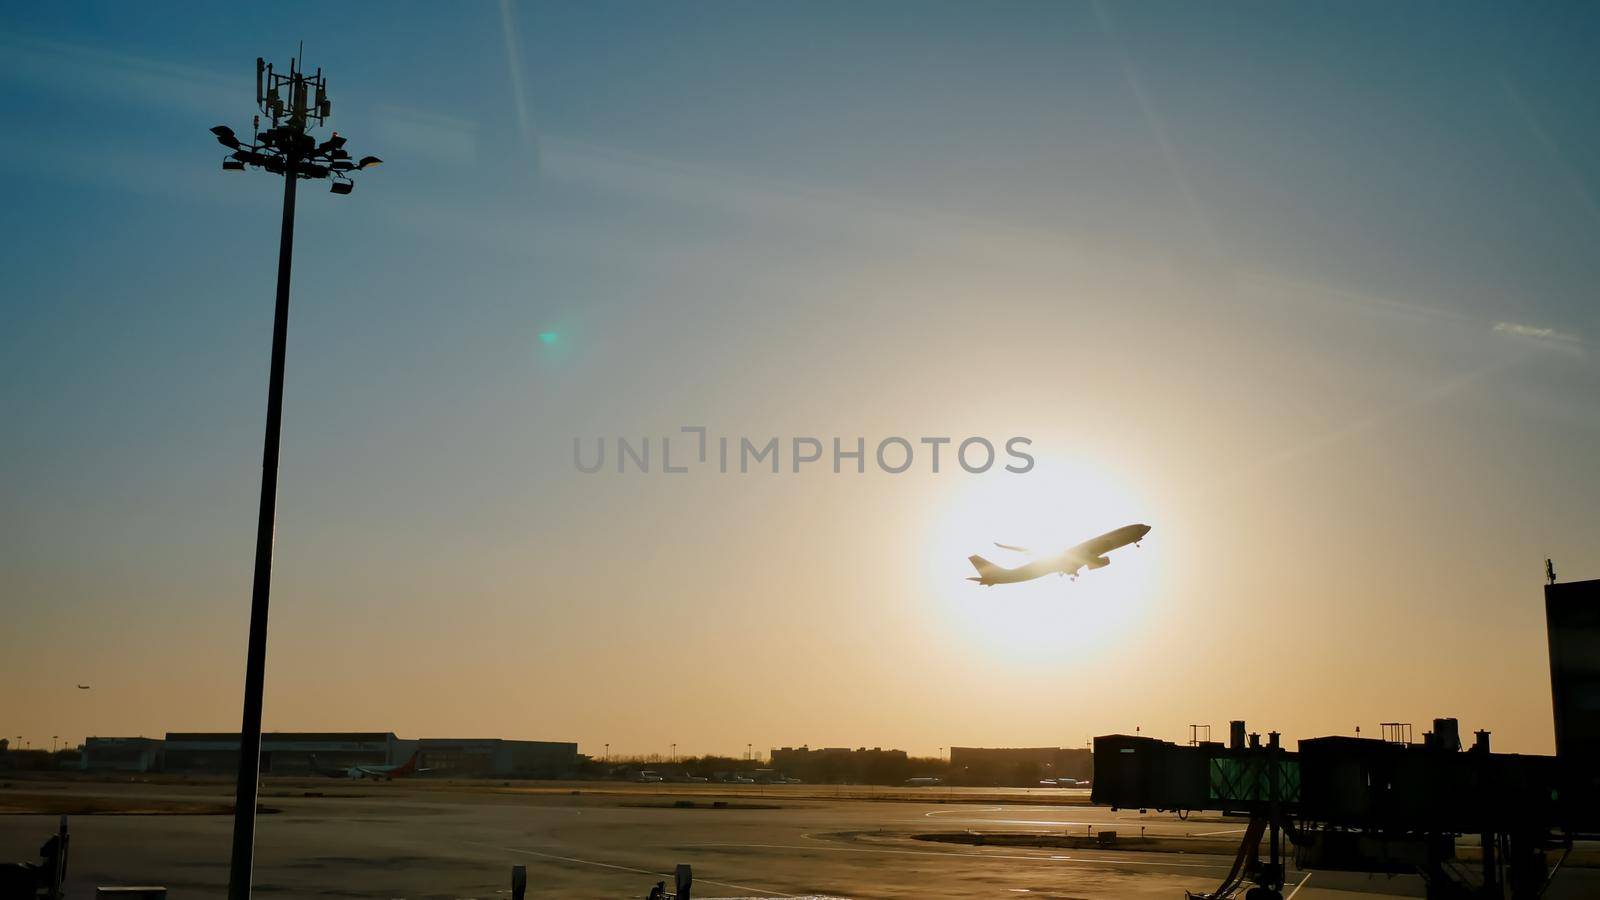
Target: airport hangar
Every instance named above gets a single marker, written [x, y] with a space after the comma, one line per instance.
[291, 753]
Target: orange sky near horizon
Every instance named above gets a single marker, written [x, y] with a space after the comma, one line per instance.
[1308, 298]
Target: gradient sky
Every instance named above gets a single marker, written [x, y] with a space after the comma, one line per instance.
[1310, 289]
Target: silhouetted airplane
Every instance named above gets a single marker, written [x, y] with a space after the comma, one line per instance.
[1090, 554]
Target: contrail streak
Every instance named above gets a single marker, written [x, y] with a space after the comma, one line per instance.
[1169, 150]
[514, 63]
[1574, 180]
[1375, 419]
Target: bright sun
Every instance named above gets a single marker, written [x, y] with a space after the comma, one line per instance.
[1052, 619]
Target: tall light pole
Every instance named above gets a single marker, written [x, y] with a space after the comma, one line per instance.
[292, 103]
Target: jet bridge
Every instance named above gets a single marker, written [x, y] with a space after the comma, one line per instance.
[1387, 805]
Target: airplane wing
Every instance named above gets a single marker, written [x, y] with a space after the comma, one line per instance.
[1012, 547]
[1092, 553]
[1080, 554]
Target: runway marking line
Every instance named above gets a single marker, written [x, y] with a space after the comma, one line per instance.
[606, 865]
[1159, 830]
[1079, 860]
[1299, 886]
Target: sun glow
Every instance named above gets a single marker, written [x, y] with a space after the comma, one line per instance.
[1051, 619]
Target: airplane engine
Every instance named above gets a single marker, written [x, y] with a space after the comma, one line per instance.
[1100, 563]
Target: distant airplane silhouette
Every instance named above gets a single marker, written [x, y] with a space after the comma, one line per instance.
[377, 773]
[1090, 554]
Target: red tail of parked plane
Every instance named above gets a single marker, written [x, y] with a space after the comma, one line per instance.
[381, 773]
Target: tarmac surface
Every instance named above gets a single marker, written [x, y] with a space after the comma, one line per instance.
[430, 839]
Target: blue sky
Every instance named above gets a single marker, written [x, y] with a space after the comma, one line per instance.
[1328, 265]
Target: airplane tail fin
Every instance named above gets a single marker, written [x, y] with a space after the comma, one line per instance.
[409, 767]
[984, 567]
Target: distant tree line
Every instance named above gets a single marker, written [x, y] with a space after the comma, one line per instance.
[879, 769]
[32, 760]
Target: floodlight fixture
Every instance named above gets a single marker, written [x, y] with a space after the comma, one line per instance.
[286, 146]
[342, 187]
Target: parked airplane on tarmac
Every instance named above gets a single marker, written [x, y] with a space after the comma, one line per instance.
[1090, 554]
[379, 773]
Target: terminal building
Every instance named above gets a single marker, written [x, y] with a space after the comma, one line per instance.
[322, 753]
[790, 756]
[1019, 766]
[282, 752]
[494, 756]
[862, 765]
[121, 754]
